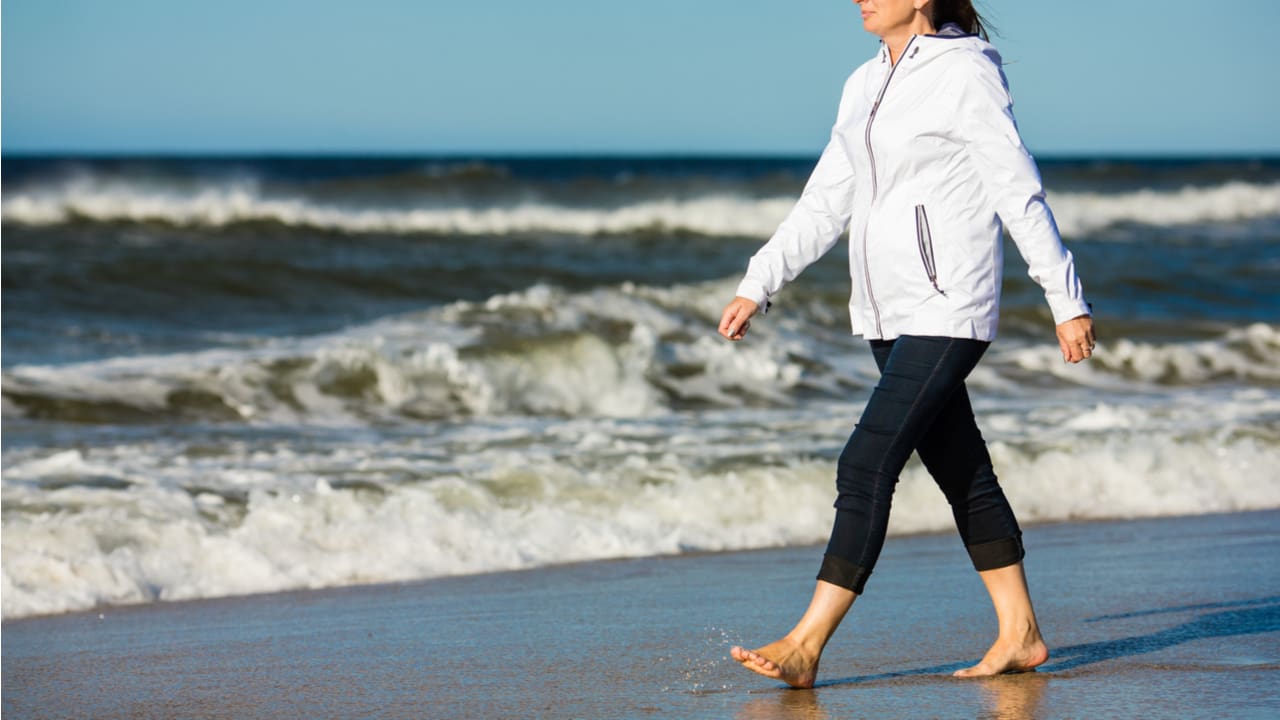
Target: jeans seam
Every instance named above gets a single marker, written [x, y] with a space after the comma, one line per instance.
[875, 496]
[916, 402]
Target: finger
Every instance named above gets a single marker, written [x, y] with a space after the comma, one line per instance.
[729, 323]
[1081, 351]
[725, 320]
[737, 326]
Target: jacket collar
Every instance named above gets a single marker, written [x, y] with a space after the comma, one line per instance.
[949, 37]
[950, 30]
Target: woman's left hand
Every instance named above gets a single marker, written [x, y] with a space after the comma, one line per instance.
[737, 318]
[1076, 338]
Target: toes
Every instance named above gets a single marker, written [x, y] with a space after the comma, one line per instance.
[756, 662]
[768, 668]
[975, 671]
[760, 665]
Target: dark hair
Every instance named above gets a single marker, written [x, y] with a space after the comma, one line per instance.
[962, 13]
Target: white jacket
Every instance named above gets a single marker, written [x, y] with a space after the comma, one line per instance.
[924, 163]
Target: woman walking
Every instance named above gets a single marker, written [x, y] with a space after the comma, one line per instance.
[925, 168]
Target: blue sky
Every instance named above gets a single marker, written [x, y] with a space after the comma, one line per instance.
[592, 76]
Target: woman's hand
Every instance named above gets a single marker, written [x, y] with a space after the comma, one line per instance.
[737, 318]
[1076, 338]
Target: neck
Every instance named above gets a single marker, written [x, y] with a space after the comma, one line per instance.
[897, 38]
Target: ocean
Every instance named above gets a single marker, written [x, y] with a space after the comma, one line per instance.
[235, 375]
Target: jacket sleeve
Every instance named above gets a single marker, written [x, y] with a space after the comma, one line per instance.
[986, 126]
[810, 230]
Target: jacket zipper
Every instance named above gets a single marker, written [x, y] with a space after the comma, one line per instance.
[875, 188]
[925, 240]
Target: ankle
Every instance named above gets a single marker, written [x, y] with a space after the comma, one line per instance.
[1022, 631]
[808, 643]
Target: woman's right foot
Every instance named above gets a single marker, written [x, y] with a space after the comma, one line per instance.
[1009, 657]
[785, 660]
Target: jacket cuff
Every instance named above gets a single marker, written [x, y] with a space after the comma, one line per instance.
[756, 294]
[1065, 309]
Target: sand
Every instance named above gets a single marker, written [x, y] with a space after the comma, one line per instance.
[1174, 617]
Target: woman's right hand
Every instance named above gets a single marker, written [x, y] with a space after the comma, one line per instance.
[737, 318]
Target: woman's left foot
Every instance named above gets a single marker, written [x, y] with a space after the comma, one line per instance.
[785, 660]
[1009, 657]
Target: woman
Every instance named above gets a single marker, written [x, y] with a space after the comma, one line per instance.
[924, 168]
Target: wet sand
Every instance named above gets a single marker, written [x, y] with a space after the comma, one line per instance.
[1153, 618]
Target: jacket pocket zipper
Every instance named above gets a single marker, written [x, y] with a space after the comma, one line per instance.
[924, 239]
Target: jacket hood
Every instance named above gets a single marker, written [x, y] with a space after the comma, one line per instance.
[949, 38]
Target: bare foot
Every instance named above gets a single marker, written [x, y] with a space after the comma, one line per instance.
[1008, 656]
[784, 660]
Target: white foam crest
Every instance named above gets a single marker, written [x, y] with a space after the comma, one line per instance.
[1119, 475]
[625, 351]
[217, 206]
[723, 214]
[1081, 213]
[578, 372]
[532, 352]
[157, 546]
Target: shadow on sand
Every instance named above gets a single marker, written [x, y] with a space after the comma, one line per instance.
[1246, 617]
[1252, 617]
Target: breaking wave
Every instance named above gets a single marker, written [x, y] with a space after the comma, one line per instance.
[622, 351]
[716, 214]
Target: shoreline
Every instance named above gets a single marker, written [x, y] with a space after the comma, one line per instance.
[1162, 617]
[144, 606]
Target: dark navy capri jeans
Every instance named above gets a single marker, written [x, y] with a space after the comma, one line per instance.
[920, 404]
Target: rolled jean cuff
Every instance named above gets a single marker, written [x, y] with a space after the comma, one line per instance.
[838, 571]
[997, 553]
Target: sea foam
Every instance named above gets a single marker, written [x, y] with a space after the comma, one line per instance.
[267, 520]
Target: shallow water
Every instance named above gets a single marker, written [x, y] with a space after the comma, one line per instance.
[1143, 618]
